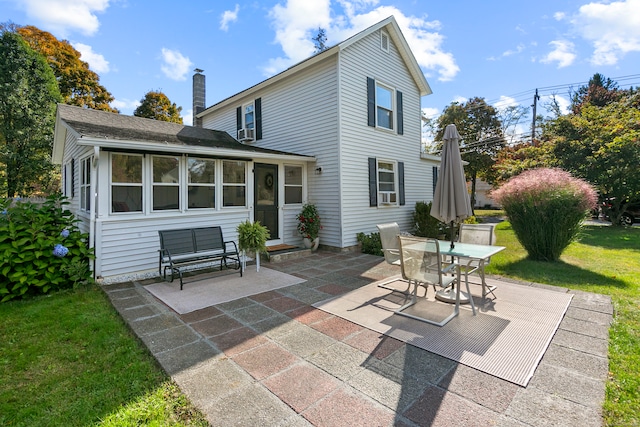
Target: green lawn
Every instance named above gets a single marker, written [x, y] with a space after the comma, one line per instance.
[604, 260]
[68, 359]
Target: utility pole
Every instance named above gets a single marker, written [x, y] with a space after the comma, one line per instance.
[536, 97]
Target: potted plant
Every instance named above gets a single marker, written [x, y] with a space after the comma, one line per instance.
[252, 238]
[309, 225]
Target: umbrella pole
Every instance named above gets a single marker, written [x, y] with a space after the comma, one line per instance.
[452, 244]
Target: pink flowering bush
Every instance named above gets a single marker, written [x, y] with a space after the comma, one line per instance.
[546, 208]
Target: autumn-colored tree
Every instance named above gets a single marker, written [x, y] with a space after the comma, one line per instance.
[156, 105]
[28, 98]
[77, 83]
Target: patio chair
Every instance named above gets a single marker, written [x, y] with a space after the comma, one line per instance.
[389, 233]
[482, 234]
[390, 245]
[421, 264]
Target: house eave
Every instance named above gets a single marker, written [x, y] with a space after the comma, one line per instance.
[186, 149]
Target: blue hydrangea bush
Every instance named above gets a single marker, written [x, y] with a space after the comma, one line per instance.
[41, 248]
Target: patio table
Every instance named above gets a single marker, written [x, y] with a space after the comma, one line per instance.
[460, 250]
[470, 251]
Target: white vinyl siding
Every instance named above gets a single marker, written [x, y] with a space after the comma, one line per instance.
[300, 115]
[357, 62]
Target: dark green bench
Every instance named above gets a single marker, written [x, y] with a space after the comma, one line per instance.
[192, 246]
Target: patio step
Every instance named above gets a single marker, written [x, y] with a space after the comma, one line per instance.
[286, 254]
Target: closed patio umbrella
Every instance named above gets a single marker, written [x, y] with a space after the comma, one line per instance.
[451, 200]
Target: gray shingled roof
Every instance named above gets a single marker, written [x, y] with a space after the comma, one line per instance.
[112, 126]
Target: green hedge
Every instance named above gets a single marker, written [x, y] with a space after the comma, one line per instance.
[41, 248]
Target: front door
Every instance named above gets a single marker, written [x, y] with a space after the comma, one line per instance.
[266, 197]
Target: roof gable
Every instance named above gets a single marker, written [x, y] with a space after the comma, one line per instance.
[389, 24]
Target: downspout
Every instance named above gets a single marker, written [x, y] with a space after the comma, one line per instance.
[94, 200]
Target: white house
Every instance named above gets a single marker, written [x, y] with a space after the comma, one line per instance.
[341, 129]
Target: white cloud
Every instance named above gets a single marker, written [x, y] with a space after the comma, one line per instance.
[559, 16]
[515, 51]
[64, 16]
[126, 106]
[175, 66]
[504, 102]
[229, 16]
[613, 28]
[297, 20]
[564, 103]
[95, 60]
[187, 118]
[563, 53]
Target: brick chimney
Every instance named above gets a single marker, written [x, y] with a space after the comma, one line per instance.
[198, 96]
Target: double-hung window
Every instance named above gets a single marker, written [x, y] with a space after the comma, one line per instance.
[126, 183]
[292, 184]
[166, 182]
[386, 182]
[234, 183]
[202, 183]
[85, 184]
[248, 116]
[384, 106]
[387, 188]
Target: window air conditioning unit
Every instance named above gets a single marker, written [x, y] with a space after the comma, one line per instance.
[384, 198]
[246, 134]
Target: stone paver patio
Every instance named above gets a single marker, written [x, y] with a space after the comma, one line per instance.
[274, 360]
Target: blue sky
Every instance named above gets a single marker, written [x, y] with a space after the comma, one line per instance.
[500, 50]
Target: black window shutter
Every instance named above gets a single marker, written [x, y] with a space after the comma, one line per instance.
[373, 182]
[238, 118]
[435, 177]
[400, 114]
[258, 110]
[371, 102]
[73, 177]
[401, 183]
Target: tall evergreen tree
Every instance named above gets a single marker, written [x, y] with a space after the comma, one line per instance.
[28, 97]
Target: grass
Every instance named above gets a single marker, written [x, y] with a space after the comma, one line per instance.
[604, 260]
[68, 359]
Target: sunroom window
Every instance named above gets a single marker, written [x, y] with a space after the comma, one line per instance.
[85, 184]
[166, 182]
[234, 186]
[202, 188]
[292, 185]
[126, 183]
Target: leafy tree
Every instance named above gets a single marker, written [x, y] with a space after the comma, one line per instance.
[515, 159]
[482, 135]
[77, 83]
[28, 97]
[602, 145]
[320, 40]
[599, 92]
[156, 105]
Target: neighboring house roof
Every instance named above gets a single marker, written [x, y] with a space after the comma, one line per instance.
[106, 129]
[389, 24]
